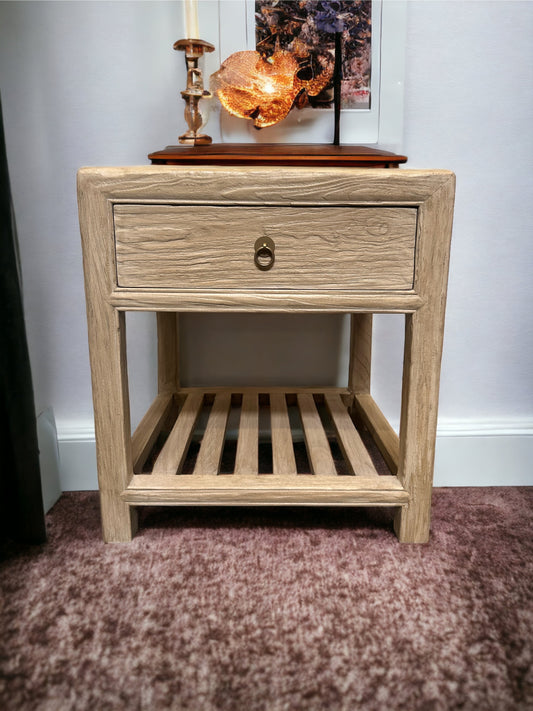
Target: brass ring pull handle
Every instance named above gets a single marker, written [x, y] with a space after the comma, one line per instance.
[264, 253]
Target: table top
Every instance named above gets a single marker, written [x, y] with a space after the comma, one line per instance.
[297, 154]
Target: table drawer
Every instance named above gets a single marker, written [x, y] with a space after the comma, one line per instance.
[212, 246]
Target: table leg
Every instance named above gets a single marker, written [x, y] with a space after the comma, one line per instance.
[360, 353]
[107, 341]
[418, 423]
[167, 351]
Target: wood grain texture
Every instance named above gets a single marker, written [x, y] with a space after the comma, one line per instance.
[167, 352]
[266, 490]
[210, 454]
[283, 460]
[212, 246]
[284, 186]
[172, 455]
[424, 332]
[382, 432]
[272, 389]
[349, 440]
[107, 350]
[148, 429]
[360, 365]
[276, 154]
[247, 456]
[256, 301]
[316, 442]
[402, 268]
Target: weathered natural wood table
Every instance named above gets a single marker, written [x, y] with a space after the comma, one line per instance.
[264, 239]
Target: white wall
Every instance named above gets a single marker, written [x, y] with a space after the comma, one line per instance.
[92, 83]
[469, 107]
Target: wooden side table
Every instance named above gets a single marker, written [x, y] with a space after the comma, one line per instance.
[259, 239]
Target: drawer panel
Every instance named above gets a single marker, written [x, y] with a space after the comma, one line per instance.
[212, 246]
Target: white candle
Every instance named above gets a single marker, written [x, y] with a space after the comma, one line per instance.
[190, 13]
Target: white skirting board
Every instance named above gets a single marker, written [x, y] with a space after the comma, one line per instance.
[468, 454]
[49, 458]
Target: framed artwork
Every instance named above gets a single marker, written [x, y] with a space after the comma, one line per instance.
[373, 45]
[307, 29]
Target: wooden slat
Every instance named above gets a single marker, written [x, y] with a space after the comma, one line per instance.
[210, 454]
[316, 442]
[172, 456]
[148, 429]
[382, 433]
[256, 390]
[246, 459]
[282, 448]
[268, 490]
[350, 442]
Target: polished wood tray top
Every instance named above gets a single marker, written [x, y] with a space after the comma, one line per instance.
[277, 154]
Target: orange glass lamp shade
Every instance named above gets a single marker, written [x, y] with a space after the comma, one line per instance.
[264, 90]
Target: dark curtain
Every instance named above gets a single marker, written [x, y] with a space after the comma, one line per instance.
[21, 505]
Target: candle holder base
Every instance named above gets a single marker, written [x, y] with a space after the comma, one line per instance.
[190, 138]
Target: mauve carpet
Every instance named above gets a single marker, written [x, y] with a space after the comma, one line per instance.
[257, 609]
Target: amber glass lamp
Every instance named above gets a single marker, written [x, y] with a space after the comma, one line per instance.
[263, 89]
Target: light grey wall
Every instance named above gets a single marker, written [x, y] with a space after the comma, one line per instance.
[97, 83]
[469, 107]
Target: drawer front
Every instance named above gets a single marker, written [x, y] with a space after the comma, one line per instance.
[212, 246]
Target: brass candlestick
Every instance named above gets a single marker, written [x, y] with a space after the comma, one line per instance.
[194, 49]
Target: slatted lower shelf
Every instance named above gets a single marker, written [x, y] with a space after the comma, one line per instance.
[255, 447]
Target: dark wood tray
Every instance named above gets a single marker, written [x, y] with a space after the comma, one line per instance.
[277, 154]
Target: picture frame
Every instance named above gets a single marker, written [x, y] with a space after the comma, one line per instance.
[381, 124]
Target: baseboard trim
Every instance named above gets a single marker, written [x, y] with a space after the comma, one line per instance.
[468, 453]
[48, 458]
